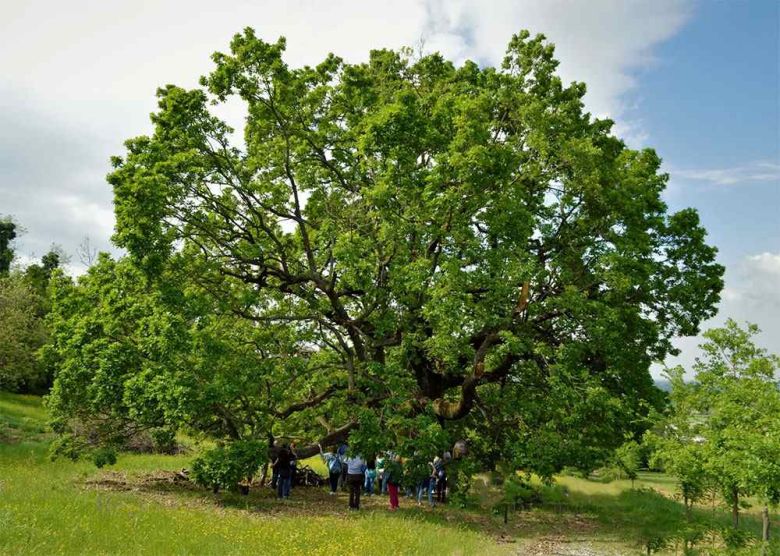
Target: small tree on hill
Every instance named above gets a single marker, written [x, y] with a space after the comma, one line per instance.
[628, 458]
[724, 428]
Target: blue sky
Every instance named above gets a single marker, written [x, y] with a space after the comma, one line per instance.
[696, 80]
[711, 107]
[712, 102]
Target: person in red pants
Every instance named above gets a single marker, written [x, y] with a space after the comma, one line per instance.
[395, 472]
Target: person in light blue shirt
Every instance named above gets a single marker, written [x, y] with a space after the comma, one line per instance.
[356, 467]
[333, 463]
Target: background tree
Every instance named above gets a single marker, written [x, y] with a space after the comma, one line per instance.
[676, 444]
[725, 425]
[23, 304]
[38, 275]
[7, 235]
[22, 333]
[421, 236]
[628, 459]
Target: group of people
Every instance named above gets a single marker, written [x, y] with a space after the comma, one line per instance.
[386, 473]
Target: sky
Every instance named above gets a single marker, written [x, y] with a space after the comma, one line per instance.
[696, 80]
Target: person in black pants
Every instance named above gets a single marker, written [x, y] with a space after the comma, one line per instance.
[356, 467]
[440, 472]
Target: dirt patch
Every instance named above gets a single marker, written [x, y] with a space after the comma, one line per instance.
[558, 546]
[158, 480]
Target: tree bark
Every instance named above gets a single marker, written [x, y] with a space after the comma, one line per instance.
[765, 527]
[735, 507]
[337, 435]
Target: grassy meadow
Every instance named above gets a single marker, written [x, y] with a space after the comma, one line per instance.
[139, 507]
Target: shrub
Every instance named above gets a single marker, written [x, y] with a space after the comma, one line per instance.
[224, 467]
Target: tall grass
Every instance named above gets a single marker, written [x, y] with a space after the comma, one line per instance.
[47, 508]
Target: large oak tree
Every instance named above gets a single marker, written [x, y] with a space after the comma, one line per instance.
[425, 238]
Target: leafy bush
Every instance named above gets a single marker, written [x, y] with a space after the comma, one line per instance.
[224, 467]
[520, 493]
[736, 538]
[104, 456]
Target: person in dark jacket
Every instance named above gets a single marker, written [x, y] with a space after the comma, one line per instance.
[283, 470]
[440, 474]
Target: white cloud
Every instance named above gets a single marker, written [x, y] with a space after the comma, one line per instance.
[79, 76]
[602, 43]
[761, 171]
[768, 264]
[751, 294]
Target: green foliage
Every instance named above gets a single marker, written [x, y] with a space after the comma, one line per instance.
[104, 456]
[628, 459]
[38, 276]
[369, 438]
[224, 467]
[22, 333]
[403, 237]
[520, 493]
[736, 538]
[724, 428]
[7, 235]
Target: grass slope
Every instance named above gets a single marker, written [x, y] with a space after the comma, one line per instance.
[137, 507]
[66, 507]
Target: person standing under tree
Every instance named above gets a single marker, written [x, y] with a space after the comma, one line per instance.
[440, 474]
[342, 453]
[293, 464]
[394, 473]
[281, 467]
[333, 463]
[356, 467]
[370, 475]
[380, 473]
[273, 453]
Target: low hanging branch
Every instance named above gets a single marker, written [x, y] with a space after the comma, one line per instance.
[311, 402]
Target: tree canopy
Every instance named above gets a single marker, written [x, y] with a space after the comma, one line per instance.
[402, 244]
[23, 305]
[7, 235]
[723, 430]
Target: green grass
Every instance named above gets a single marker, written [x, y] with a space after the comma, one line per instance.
[21, 417]
[66, 507]
[57, 508]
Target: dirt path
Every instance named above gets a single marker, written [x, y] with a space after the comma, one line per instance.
[555, 546]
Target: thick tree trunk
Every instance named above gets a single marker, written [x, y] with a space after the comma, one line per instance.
[765, 527]
[735, 507]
